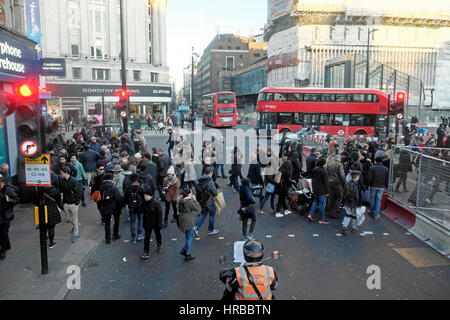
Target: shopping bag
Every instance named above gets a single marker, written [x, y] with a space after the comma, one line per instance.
[277, 178]
[219, 201]
[360, 215]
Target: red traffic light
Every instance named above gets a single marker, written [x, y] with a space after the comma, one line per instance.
[124, 94]
[401, 97]
[25, 91]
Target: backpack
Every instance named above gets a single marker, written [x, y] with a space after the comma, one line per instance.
[107, 194]
[202, 192]
[135, 199]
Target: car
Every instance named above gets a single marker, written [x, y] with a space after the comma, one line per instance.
[299, 135]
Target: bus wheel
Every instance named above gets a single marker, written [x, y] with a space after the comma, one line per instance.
[361, 133]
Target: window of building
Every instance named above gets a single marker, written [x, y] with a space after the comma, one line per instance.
[154, 77]
[150, 53]
[331, 33]
[220, 47]
[100, 74]
[76, 73]
[257, 55]
[75, 50]
[238, 48]
[98, 34]
[229, 47]
[230, 63]
[137, 75]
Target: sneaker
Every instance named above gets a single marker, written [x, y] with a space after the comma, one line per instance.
[140, 237]
[250, 237]
[323, 222]
[377, 217]
[197, 235]
[245, 238]
[261, 212]
[158, 248]
[213, 232]
[310, 217]
[75, 239]
[52, 245]
[144, 256]
[287, 212]
[344, 231]
[183, 252]
[108, 241]
[2, 256]
[355, 230]
[116, 237]
[279, 215]
[189, 257]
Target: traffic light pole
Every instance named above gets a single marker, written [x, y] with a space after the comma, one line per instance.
[40, 192]
[124, 71]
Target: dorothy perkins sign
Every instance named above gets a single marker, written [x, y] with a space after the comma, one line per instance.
[78, 90]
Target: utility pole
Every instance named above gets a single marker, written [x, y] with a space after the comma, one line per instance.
[368, 54]
[124, 66]
[192, 83]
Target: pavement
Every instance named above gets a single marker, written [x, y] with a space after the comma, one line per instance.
[317, 262]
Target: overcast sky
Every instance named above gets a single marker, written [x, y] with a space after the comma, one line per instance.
[194, 23]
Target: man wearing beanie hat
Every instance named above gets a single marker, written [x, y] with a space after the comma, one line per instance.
[152, 221]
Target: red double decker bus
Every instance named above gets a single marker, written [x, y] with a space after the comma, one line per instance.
[219, 109]
[340, 112]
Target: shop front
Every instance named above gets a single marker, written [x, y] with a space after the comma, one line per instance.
[84, 103]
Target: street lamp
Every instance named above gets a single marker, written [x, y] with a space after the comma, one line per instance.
[368, 54]
[192, 79]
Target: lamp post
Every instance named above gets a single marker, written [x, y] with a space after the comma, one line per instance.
[368, 54]
[124, 74]
[192, 80]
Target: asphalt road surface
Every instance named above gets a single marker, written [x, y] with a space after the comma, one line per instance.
[316, 262]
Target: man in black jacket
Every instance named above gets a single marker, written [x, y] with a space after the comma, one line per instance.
[110, 205]
[153, 217]
[311, 162]
[320, 189]
[8, 199]
[377, 180]
[63, 163]
[71, 190]
[134, 199]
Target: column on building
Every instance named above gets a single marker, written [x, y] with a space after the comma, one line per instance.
[156, 32]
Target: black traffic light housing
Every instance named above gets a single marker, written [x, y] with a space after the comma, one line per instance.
[28, 114]
[398, 105]
[7, 104]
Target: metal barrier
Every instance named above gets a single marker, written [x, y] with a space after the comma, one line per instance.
[419, 179]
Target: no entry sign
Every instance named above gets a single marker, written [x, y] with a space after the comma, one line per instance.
[29, 148]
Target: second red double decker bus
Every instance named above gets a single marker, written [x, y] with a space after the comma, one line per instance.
[219, 110]
[340, 112]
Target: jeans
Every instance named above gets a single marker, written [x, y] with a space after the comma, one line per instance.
[5, 244]
[321, 202]
[221, 166]
[235, 182]
[148, 234]
[108, 225]
[272, 201]
[335, 199]
[212, 217]
[133, 217]
[376, 194]
[82, 189]
[189, 237]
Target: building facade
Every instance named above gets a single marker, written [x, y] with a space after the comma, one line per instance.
[303, 35]
[87, 35]
[225, 54]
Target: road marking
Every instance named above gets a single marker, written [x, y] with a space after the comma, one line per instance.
[268, 236]
[338, 234]
[422, 257]
[367, 232]
[174, 239]
[221, 238]
[291, 235]
[385, 234]
[315, 235]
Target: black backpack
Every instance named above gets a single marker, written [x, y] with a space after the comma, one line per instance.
[107, 194]
[136, 199]
[202, 192]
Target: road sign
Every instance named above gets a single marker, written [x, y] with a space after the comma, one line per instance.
[29, 148]
[37, 171]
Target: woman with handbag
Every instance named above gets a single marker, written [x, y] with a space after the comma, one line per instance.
[283, 187]
[171, 188]
[187, 208]
[266, 162]
[52, 199]
[247, 209]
